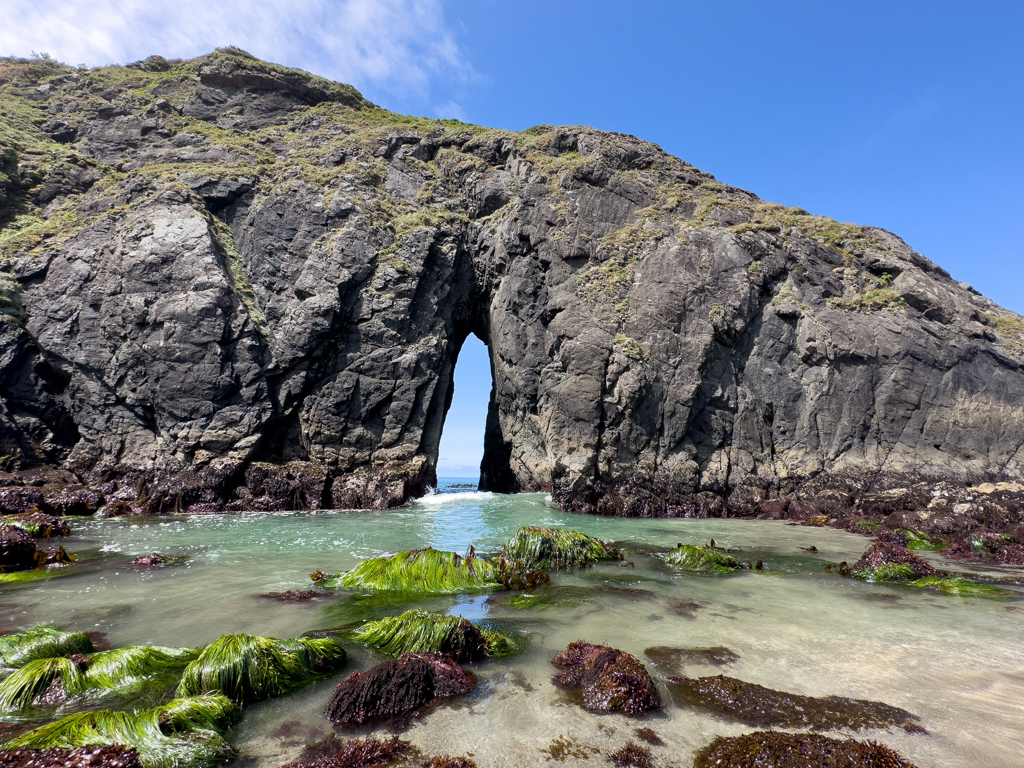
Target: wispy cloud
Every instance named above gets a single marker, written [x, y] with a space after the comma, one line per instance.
[401, 48]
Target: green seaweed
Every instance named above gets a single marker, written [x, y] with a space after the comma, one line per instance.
[125, 672]
[185, 733]
[546, 548]
[886, 572]
[690, 557]
[957, 585]
[548, 598]
[427, 632]
[30, 577]
[922, 541]
[419, 571]
[248, 668]
[40, 642]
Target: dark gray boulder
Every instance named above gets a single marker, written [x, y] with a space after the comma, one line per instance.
[247, 287]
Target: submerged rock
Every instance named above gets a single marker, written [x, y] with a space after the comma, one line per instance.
[294, 596]
[755, 705]
[82, 757]
[673, 658]
[397, 689]
[332, 752]
[156, 560]
[607, 679]
[632, 754]
[773, 749]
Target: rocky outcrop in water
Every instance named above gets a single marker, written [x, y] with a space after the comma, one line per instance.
[226, 284]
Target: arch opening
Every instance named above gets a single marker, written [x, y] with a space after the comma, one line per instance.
[461, 447]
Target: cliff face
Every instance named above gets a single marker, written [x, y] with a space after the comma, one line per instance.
[225, 282]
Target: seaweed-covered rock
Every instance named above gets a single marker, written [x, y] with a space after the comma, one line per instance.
[708, 559]
[248, 668]
[773, 749]
[418, 571]
[426, 632]
[40, 525]
[608, 679]
[397, 689]
[557, 548]
[632, 754]
[332, 752]
[82, 757]
[41, 642]
[758, 706]
[294, 596]
[137, 674]
[18, 549]
[184, 733]
[889, 562]
[72, 500]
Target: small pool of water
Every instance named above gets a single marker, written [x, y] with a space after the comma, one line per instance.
[958, 663]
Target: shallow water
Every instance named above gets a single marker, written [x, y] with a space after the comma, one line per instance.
[957, 663]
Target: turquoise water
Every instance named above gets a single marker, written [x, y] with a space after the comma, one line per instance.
[958, 663]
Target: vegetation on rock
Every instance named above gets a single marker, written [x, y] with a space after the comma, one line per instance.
[248, 668]
[707, 559]
[606, 679]
[755, 705]
[397, 688]
[41, 642]
[776, 749]
[419, 571]
[425, 632]
[556, 548]
[185, 733]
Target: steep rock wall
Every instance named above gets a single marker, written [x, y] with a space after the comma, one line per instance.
[229, 283]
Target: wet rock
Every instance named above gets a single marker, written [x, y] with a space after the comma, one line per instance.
[155, 560]
[670, 658]
[397, 689]
[755, 705]
[40, 525]
[18, 550]
[283, 487]
[15, 500]
[82, 757]
[607, 679]
[773, 749]
[71, 500]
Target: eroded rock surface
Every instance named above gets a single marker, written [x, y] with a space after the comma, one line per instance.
[229, 284]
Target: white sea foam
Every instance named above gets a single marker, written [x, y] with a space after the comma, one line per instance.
[438, 499]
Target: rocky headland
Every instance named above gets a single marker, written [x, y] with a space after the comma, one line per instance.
[229, 285]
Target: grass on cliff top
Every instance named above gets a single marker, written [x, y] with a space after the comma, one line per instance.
[426, 632]
[420, 571]
[40, 642]
[185, 733]
[547, 548]
[690, 557]
[248, 668]
[125, 672]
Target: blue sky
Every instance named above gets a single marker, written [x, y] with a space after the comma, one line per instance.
[903, 115]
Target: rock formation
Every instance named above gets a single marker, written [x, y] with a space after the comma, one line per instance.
[229, 284]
